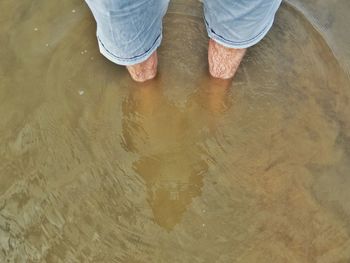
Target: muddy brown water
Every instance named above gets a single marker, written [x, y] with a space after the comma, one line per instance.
[97, 168]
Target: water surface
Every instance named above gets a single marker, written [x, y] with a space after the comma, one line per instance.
[97, 168]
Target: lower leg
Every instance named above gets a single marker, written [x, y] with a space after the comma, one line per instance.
[223, 61]
[145, 70]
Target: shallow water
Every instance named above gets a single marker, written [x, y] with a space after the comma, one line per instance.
[97, 168]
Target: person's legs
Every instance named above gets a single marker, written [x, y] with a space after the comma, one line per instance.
[146, 70]
[223, 61]
[233, 26]
[129, 33]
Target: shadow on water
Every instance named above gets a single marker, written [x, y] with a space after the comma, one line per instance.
[170, 142]
[97, 168]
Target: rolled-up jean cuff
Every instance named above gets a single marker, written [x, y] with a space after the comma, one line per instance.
[132, 60]
[242, 44]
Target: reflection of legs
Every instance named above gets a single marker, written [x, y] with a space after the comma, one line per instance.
[145, 98]
[213, 96]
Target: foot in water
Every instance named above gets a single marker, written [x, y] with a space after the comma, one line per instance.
[146, 70]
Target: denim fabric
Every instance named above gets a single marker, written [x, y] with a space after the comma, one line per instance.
[129, 31]
[239, 23]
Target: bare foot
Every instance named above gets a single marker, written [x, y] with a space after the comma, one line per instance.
[145, 70]
[223, 61]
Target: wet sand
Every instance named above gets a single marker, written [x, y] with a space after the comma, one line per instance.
[97, 168]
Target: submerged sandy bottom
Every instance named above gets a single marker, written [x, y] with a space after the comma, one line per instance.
[96, 168]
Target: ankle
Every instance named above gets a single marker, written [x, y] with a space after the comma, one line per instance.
[223, 61]
[146, 70]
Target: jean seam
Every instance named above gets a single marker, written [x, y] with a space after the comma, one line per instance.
[236, 42]
[245, 42]
[131, 58]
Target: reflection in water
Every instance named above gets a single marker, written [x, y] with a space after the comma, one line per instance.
[169, 141]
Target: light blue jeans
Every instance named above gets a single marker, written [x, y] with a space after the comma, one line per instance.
[129, 31]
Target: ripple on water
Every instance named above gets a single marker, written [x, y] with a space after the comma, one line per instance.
[184, 168]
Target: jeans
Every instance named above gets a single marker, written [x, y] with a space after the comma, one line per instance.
[129, 31]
